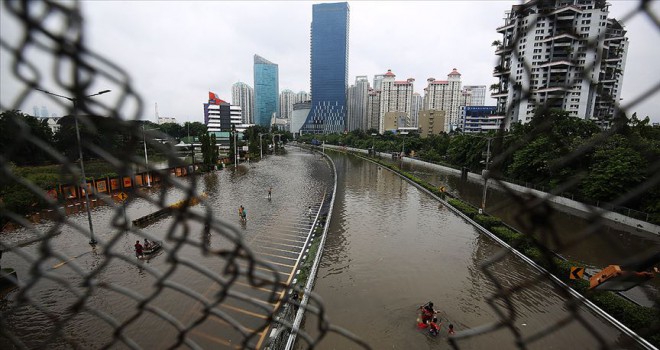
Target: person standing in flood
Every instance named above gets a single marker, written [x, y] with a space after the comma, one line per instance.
[138, 249]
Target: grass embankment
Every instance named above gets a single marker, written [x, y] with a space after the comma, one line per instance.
[645, 321]
[306, 265]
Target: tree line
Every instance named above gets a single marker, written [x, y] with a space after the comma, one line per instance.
[552, 150]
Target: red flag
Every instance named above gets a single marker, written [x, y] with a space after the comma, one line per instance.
[214, 99]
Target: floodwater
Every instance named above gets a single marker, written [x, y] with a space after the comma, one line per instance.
[595, 245]
[201, 272]
[391, 248]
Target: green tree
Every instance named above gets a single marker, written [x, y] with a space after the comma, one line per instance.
[552, 148]
[174, 130]
[192, 128]
[616, 168]
[20, 135]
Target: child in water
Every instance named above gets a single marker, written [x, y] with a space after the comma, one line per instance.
[451, 329]
[434, 327]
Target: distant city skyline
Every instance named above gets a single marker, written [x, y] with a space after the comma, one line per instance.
[280, 32]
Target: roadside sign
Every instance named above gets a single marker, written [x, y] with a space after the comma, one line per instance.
[576, 273]
[122, 196]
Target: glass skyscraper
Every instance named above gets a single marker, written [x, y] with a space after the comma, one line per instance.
[266, 90]
[329, 65]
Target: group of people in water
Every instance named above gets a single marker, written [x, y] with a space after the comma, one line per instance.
[242, 214]
[140, 248]
[428, 320]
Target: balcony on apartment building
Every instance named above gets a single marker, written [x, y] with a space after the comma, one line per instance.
[499, 93]
[500, 71]
[561, 36]
[503, 49]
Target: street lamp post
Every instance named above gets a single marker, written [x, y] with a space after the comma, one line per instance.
[235, 151]
[403, 145]
[485, 174]
[261, 146]
[373, 144]
[74, 100]
[146, 158]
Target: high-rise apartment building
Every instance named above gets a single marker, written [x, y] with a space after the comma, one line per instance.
[287, 99]
[373, 109]
[302, 96]
[357, 104]
[242, 95]
[445, 95]
[266, 90]
[329, 68]
[395, 96]
[575, 53]
[378, 81]
[473, 95]
[417, 105]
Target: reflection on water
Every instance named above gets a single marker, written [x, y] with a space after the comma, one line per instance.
[595, 244]
[391, 248]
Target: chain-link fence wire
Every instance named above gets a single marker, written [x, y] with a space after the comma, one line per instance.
[77, 70]
[65, 305]
[534, 212]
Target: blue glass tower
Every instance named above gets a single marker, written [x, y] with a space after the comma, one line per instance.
[266, 90]
[329, 65]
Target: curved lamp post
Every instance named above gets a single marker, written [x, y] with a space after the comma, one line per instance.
[75, 101]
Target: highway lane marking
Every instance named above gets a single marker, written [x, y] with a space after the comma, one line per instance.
[246, 269]
[244, 311]
[279, 264]
[247, 299]
[58, 265]
[276, 233]
[286, 245]
[273, 248]
[278, 239]
[276, 256]
[225, 323]
[222, 341]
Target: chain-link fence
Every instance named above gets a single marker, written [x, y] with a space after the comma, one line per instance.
[64, 303]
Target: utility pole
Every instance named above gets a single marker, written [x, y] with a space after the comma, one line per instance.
[146, 158]
[235, 151]
[75, 101]
[485, 175]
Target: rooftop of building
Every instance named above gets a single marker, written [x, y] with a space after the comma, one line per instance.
[260, 60]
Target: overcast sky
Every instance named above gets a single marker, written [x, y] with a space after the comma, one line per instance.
[177, 51]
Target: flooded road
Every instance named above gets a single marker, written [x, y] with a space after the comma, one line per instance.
[391, 248]
[192, 286]
[609, 243]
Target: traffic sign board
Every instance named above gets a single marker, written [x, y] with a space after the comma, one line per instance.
[576, 272]
[122, 196]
